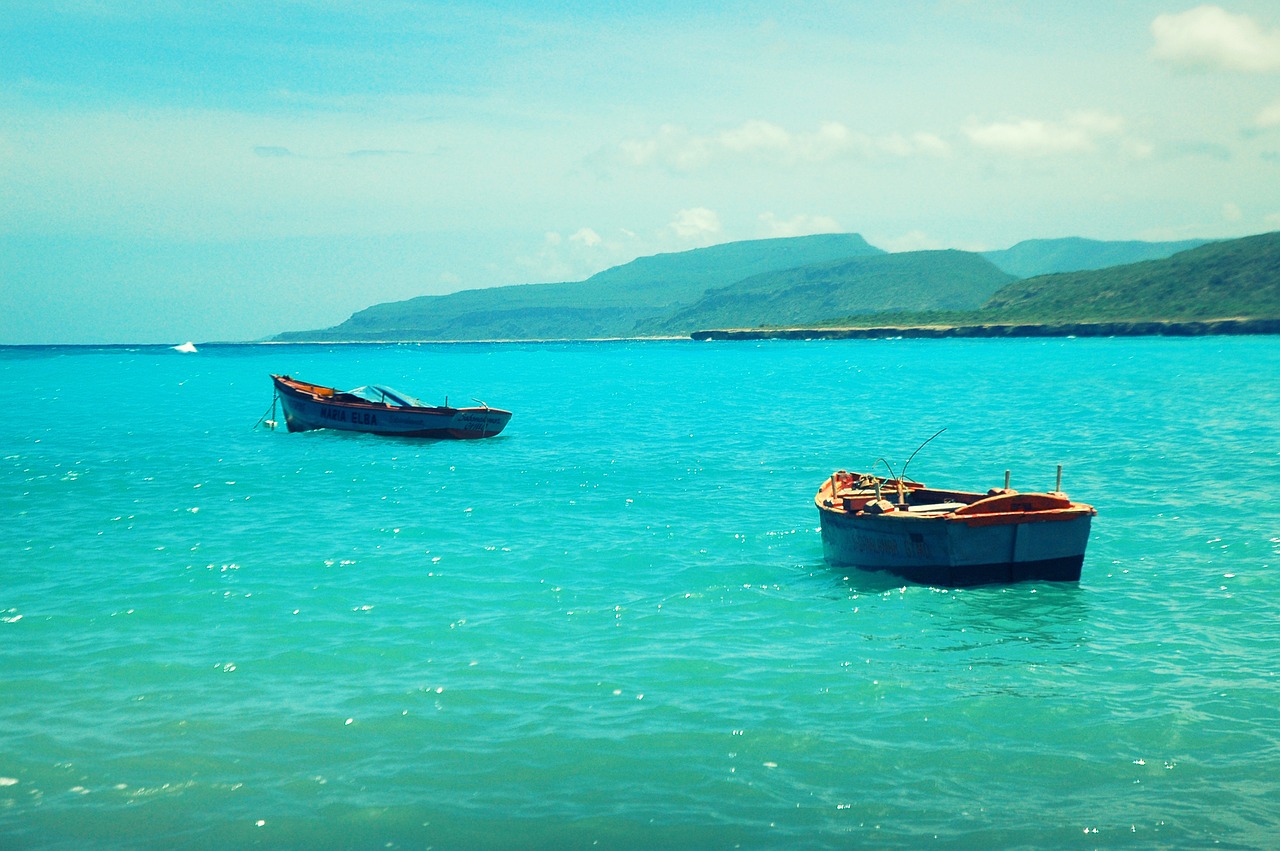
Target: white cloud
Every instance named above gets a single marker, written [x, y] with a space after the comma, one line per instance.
[799, 225]
[1079, 133]
[911, 241]
[1231, 212]
[586, 237]
[695, 224]
[578, 256]
[831, 139]
[1210, 37]
[677, 149]
[1269, 116]
[917, 144]
[1138, 149]
[673, 148]
[930, 145]
[756, 136]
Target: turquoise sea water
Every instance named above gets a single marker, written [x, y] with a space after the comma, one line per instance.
[612, 626]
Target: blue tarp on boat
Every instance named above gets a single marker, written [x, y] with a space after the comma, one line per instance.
[381, 393]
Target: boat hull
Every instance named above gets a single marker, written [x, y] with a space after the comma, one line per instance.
[951, 538]
[952, 552]
[303, 412]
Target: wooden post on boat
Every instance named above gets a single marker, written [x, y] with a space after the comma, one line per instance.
[1006, 479]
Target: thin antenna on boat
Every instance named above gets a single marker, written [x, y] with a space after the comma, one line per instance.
[899, 479]
[894, 477]
[1058, 487]
[918, 448]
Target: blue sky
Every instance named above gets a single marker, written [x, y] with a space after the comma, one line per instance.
[224, 171]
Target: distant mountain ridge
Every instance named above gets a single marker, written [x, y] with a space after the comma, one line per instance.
[915, 280]
[796, 281]
[608, 304]
[1219, 287]
[1033, 257]
[1217, 280]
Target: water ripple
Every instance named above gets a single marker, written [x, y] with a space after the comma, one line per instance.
[613, 624]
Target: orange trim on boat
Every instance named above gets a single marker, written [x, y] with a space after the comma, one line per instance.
[1020, 518]
[1007, 502]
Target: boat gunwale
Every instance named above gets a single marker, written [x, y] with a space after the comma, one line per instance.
[852, 506]
[297, 388]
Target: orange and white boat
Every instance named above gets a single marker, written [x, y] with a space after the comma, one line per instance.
[952, 538]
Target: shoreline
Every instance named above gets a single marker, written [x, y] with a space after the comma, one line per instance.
[1147, 328]
[1159, 328]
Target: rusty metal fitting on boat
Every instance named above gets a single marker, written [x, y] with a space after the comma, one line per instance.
[879, 506]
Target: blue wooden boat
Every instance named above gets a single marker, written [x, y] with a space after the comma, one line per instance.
[376, 409]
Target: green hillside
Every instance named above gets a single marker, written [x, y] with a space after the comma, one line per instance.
[916, 280]
[1033, 257]
[834, 280]
[609, 304]
[1234, 278]
[1237, 278]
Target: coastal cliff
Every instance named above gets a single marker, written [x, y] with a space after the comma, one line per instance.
[1198, 328]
